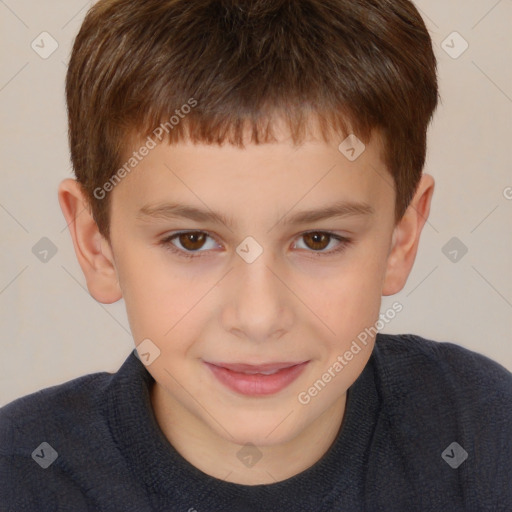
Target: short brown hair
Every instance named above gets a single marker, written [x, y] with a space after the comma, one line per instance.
[355, 65]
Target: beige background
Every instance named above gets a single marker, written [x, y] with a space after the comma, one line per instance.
[53, 331]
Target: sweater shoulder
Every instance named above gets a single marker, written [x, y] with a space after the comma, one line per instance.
[416, 351]
[55, 408]
[442, 371]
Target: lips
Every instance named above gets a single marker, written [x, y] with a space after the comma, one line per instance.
[256, 380]
[260, 368]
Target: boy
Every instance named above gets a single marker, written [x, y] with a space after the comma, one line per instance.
[249, 181]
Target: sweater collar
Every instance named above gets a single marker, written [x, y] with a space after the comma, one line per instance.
[164, 472]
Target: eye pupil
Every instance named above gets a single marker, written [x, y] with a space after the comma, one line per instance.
[192, 241]
[318, 241]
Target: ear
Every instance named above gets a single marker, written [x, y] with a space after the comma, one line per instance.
[93, 252]
[406, 237]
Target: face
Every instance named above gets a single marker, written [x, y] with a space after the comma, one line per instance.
[229, 256]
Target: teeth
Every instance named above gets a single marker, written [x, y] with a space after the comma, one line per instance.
[271, 372]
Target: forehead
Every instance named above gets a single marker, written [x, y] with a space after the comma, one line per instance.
[267, 176]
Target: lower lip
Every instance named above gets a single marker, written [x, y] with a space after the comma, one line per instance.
[257, 385]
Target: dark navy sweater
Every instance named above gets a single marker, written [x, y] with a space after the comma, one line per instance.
[428, 427]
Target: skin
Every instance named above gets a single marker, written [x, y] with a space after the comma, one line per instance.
[292, 303]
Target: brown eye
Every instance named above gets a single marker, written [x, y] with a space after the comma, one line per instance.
[322, 243]
[317, 241]
[189, 244]
[192, 241]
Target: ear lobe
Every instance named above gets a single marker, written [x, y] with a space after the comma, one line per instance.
[93, 252]
[406, 237]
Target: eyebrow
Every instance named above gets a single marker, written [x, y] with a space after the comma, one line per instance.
[181, 211]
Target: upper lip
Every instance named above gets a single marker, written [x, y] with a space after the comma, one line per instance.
[264, 367]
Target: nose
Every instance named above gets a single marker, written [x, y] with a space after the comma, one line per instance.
[258, 306]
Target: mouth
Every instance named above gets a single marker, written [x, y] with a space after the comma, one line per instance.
[257, 380]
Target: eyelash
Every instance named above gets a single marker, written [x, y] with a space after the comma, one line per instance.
[168, 245]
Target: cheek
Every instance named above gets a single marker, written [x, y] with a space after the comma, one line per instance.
[349, 299]
[161, 303]
[148, 293]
